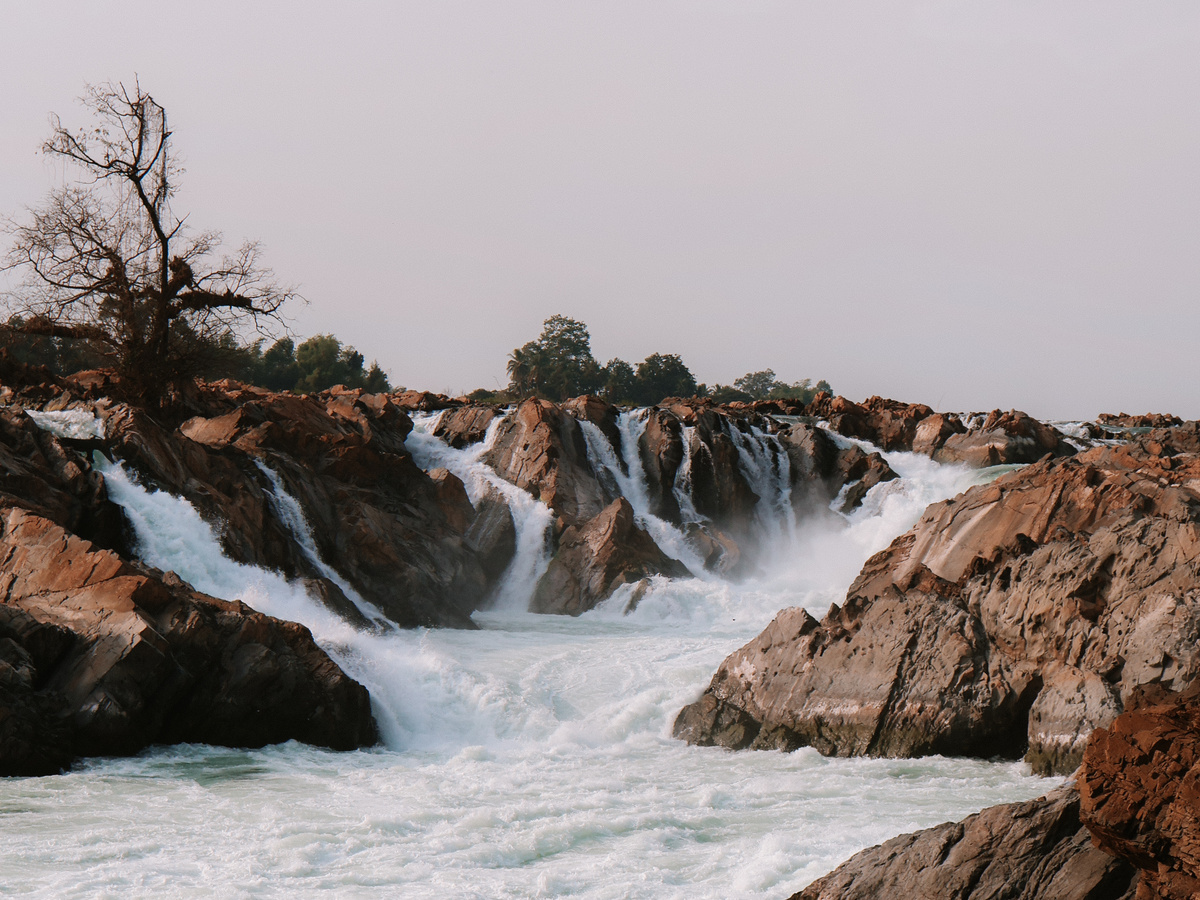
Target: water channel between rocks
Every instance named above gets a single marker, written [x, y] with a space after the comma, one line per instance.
[530, 758]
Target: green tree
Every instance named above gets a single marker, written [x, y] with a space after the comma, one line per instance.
[620, 382]
[558, 365]
[663, 375]
[759, 385]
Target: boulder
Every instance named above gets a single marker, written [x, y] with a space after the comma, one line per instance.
[1140, 787]
[1149, 420]
[821, 470]
[541, 449]
[1004, 438]
[1036, 850]
[600, 413]
[106, 657]
[465, 425]
[1012, 619]
[596, 558]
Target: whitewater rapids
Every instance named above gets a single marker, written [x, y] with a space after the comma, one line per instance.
[531, 758]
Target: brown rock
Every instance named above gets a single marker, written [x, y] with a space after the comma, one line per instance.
[1140, 787]
[1014, 618]
[465, 426]
[121, 657]
[596, 558]
[1019, 851]
[451, 496]
[1004, 438]
[542, 450]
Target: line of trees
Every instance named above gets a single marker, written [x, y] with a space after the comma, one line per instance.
[559, 364]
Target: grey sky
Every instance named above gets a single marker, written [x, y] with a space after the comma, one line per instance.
[968, 204]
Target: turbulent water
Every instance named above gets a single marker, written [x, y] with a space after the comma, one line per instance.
[531, 758]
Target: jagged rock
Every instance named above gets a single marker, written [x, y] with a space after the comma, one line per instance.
[600, 413]
[1035, 850]
[820, 469]
[466, 425]
[451, 496]
[1004, 438]
[374, 514]
[596, 558]
[112, 656]
[933, 432]
[541, 449]
[661, 450]
[493, 536]
[424, 401]
[1140, 787]
[1016, 617]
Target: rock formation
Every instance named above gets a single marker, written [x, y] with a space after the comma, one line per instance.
[1014, 618]
[596, 558]
[1036, 850]
[1140, 786]
[100, 656]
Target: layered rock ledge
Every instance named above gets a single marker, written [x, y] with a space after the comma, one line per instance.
[1015, 618]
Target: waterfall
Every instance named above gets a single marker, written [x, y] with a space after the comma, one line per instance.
[632, 485]
[531, 517]
[682, 487]
[764, 464]
[291, 514]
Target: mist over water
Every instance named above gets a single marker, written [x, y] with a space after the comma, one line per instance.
[530, 758]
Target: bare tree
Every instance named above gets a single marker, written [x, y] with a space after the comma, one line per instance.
[106, 260]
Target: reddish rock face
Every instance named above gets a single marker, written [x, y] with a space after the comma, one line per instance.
[374, 514]
[541, 449]
[1018, 616]
[1140, 788]
[114, 657]
[595, 559]
[466, 425]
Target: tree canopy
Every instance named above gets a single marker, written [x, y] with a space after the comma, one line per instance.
[560, 364]
[106, 259]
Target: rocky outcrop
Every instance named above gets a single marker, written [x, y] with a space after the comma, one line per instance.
[1149, 420]
[821, 470]
[1036, 850]
[541, 449]
[999, 438]
[388, 528]
[595, 559]
[1014, 618]
[100, 656]
[465, 425]
[1002, 439]
[1140, 786]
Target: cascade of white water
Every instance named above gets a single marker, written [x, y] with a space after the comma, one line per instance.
[682, 487]
[291, 514]
[633, 487]
[531, 517]
[765, 466]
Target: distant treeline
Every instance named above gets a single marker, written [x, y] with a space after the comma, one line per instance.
[559, 364]
[316, 364]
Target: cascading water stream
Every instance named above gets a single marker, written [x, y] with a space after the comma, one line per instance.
[531, 518]
[765, 465]
[630, 481]
[292, 516]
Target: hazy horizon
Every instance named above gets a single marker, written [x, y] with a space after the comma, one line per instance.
[968, 205]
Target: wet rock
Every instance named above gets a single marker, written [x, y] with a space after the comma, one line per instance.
[1149, 420]
[112, 657]
[600, 413]
[452, 499]
[1036, 850]
[393, 533]
[661, 450]
[541, 449]
[1012, 619]
[594, 559]
[465, 425]
[1004, 438]
[821, 470]
[1140, 787]
[493, 536]
[424, 401]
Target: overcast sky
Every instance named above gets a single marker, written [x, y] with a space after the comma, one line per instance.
[967, 204]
